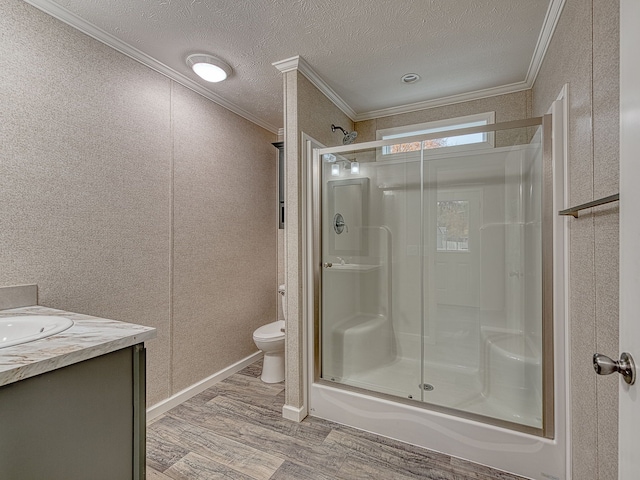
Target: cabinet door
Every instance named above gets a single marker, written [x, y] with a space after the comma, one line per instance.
[76, 422]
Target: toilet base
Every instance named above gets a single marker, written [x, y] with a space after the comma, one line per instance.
[273, 368]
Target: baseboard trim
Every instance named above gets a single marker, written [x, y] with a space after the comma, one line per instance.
[293, 413]
[183, 395]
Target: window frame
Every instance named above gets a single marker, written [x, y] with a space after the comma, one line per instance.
[443, 125]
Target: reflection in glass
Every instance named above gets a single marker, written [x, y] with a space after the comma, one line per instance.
[434, 292]
[453, 225]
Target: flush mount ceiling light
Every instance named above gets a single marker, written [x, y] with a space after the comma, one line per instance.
[410, 78]
[209, 68]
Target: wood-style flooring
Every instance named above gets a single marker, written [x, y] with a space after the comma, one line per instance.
[235, 430]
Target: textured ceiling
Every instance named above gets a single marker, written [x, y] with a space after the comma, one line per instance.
[360, 48]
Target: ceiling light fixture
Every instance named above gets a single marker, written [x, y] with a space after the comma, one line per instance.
[410, 78]
[209, 68]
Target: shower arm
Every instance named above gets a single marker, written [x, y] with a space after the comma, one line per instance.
[334, 127]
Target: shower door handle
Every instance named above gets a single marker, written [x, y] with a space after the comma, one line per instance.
[626, 367]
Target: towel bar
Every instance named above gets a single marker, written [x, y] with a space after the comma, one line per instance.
[574, 210]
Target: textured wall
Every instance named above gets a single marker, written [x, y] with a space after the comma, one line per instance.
[225, 220]
[584, 53]
[292, 245]
[87, 192]
[316, 113]
[513, 106]
[306, 110]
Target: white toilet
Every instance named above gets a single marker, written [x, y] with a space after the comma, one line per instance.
[270, 339]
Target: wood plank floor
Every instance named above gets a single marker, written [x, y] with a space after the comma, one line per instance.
[235, 430]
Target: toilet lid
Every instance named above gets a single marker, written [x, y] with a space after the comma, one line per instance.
[270, 330]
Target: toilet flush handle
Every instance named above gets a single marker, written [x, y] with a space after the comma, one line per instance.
[282, 329]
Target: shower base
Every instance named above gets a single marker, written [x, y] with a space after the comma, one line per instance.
[455, 388]
[501, 448]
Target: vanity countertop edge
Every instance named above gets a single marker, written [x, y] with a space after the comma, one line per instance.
[89, 337]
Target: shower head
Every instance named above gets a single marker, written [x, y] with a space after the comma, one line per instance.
[348, 137]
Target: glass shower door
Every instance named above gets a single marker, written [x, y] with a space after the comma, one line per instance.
[482, 347]
[368, 240]
[432, 277]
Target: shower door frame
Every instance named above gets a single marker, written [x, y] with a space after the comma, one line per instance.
[315, 268]
[532, 456]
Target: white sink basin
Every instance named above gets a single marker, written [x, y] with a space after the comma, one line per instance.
[27, 328]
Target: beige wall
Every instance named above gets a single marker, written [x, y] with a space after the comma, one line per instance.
[127, 196]
[513, 106]
[224, 246]
[584, 53]
[308, 111]
[316, 114]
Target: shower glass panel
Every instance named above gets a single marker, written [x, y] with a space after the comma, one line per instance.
[432, 276]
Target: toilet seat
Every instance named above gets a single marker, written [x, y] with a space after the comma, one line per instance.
[270, 332]
[269, 339]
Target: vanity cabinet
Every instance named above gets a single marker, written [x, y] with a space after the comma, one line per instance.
[83, 421]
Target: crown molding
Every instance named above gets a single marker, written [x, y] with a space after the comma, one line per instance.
[546, 34]
[549, 25]
[288, 64]
[299, 63]
[91, 30]
[548, 28]
[439, 102]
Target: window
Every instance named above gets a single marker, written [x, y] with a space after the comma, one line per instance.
[453, 226]
[462, 142]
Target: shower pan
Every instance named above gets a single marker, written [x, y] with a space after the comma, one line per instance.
[433, 294]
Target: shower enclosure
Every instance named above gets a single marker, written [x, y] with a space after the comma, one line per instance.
[433, 268]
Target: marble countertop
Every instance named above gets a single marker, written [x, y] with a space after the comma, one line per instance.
[89, 337]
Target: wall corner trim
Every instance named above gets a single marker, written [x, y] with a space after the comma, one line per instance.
[299, 63]
[288, 64]
[294, 414]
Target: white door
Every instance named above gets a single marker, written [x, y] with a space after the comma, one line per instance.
[629, 414]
